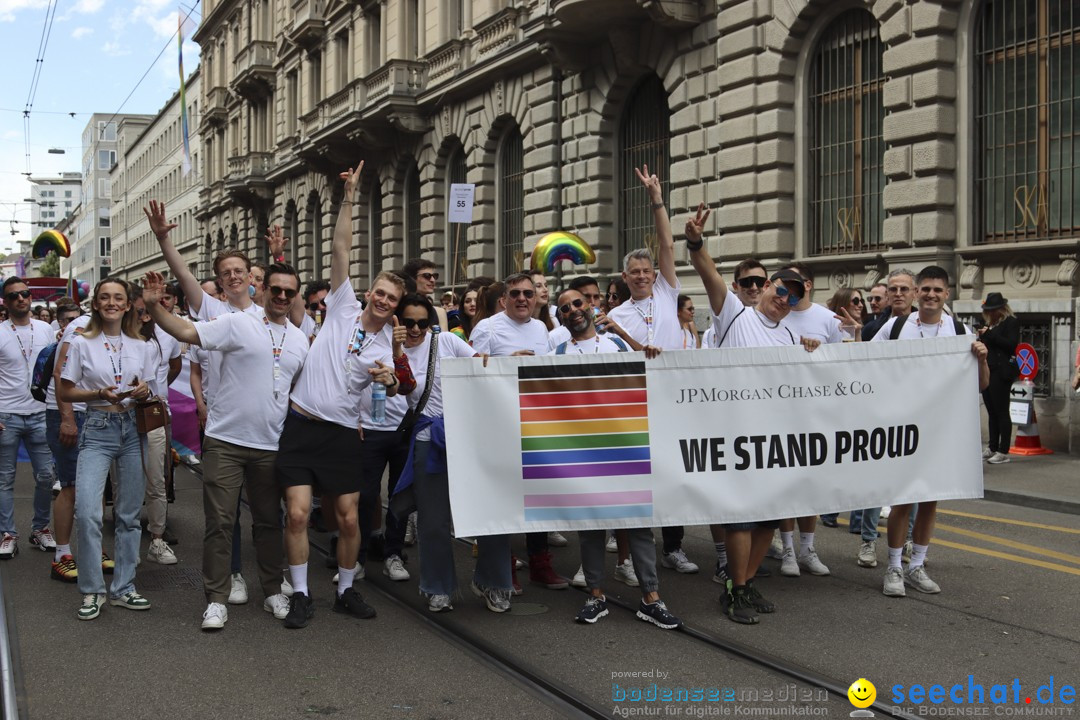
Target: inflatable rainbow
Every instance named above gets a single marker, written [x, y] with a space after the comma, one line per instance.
[560, 245]
[53, 240]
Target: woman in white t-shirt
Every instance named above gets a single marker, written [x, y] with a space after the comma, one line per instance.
[106, 368]
[426, 472]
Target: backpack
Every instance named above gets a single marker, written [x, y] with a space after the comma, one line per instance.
[43, 372]
[898, 327]
[561, 348]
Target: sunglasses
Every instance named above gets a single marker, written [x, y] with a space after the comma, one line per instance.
[289, 293]
[751, 281]
[856, 301]
[899, 290]
[12, 296]
[565, 309]
[430, 275]
[792, 298]
[409, 323]
[318, 305]
[518, 292]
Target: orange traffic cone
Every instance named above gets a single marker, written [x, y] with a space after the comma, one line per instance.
[1027, 439]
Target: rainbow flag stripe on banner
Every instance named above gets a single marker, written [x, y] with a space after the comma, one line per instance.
[589, 422]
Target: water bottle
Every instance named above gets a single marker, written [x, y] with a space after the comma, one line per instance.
[378, 403]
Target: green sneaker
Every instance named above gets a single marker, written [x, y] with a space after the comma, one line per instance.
[131, 601]
[91, 606]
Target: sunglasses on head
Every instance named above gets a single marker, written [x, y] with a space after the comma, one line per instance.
[276, 290]
[409, 323]
[792, 298]
[12, 296]
[430, 275]
[751, 281]
[518, 292]
[578, 303]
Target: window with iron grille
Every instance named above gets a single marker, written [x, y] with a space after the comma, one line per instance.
[457, 263]
[644, 139]
[511, 203]
[1027, 175]
[412, 213]
[1037, 331]
[315, 226]
[846, 146]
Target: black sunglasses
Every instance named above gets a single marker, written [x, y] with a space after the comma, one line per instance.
[857, 300]
[12, 296]
[317, 305]
[409, 323]
[289, 293]
[565, 309]
[751, 281]
[517, 292]
[430, 275]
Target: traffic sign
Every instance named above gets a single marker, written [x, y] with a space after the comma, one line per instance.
[1027, 360]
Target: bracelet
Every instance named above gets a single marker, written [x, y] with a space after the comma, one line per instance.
[99, 396]
[694, 247]
[279, 258]
[656, 206]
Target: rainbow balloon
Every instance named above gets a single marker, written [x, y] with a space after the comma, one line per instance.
[53, 240]
[561, 245]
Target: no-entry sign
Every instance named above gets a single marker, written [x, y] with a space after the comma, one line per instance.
[1027, 360]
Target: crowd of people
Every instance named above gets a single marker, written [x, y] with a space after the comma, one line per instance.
[308, 398]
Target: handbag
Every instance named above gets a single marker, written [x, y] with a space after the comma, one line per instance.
[150, 414]
[411, 415]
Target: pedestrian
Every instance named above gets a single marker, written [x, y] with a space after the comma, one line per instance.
[1000, 332]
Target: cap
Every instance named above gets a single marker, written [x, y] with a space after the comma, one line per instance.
[790, 276]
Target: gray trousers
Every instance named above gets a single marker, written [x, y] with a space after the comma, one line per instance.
[642, 552]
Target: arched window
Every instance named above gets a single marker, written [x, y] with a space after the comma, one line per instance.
[315, 228]
[644, 139]
[292, 225]
[511, 203]
[457, 263]
[374, 231]
[846, 147]
[412, 213]
[1027, 152]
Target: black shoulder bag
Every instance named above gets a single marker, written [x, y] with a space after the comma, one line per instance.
[412, 414]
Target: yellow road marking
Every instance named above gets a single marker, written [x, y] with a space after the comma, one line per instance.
[1011, 543]
[1006, 521]
[1009, 556]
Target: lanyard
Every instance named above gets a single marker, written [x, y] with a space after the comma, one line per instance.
[582, 352]
[647, 317]
[919, 324]
[28, 355]
[276, 347]
[115, 353]
[359, 340]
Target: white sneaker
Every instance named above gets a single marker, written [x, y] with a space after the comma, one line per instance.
[556, 539]
[678, 561]
[789, 566]
[278, 605]
[439, 603]
[776, 549]
[894, 582]
[9, 547]
[410, 530]
[868, 554]
[360, 573]
[394, 569]
[917, 578]
[497, 601]
[811, 563]
[160, 552]
[612, 545]
[43, 540]
[998, 458]
[286, 587]
[579, 578]
[215, 617]
[987, 452]
[624, 573]
[238, 595]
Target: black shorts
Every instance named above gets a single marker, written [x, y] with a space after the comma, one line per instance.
[321, 454]
[764, 524]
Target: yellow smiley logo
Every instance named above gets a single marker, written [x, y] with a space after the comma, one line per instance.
[862, 693]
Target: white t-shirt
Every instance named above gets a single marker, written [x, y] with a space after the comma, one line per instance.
[308, 327]
[75, 326]
[558, 336]
[914, 328]
[450, 345]
[395, 409]
[596, 344]
[708, 338]
[197, 356]
[817, 322]
[689, 342]
[335, 373]
[19, 349]
[500, 335]
[660, 311]
[738, 325]
[250, 403]
[213, 308]
[92, 367]
[161, 352]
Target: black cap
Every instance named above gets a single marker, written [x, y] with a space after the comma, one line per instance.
[790, 276]
[994, 301]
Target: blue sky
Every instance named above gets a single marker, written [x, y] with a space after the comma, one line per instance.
[97, 51]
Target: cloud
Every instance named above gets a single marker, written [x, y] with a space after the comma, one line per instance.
[81, 32]
[114, 49]
[8, 8]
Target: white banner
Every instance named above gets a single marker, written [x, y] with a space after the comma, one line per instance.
[707, 436]
[461, 202]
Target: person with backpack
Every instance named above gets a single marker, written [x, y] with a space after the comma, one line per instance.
[931, 321]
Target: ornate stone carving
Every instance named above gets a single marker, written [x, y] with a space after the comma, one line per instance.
[1022, 273]
[840, 279]
[971, 275]
[1067, 272]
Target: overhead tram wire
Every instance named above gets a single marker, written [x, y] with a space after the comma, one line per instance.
[35, 79]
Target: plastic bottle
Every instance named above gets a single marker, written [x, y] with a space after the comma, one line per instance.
[378, 403]
[599, 328]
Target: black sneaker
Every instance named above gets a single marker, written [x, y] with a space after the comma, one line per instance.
[350, 603]
[722, 574]
[331, 557]
[595, 608]
[301, 610]
[657, 613]
[758, 600]
[739, 607]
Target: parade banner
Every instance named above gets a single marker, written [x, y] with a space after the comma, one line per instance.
[577, 442]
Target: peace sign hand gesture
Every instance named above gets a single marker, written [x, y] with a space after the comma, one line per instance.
[651, 183]
[695, 226]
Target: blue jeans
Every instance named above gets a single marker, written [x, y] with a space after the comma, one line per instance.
[437, 575]
[871, 517]
[107, 437]
[66, 458]
[30, 429]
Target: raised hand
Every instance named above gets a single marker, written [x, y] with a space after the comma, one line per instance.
[276, 241]
[399, 337]
[651, 183]
[846, 319]
[153, 288]
[352, 180]
[695, 226]
[158, 224]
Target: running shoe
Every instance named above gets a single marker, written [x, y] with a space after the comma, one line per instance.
[594, 609]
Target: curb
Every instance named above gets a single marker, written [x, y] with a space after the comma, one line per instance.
[1037, 502]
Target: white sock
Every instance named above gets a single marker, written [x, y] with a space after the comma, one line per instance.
[788, 540]
[721, 553]
[894, 557]
[298, 573]
[61, 551]
[918, 556]
[345, 579]
[806, 543]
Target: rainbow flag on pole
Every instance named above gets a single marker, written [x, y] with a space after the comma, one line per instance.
[186, 162]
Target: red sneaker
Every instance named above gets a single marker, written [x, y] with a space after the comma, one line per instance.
[541, 572]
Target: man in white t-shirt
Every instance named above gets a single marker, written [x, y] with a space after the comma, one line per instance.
[590, 290]
[320, 445]
[260, 358]
[22, 418]
[931, 321]
[737, 325]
